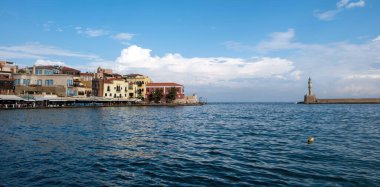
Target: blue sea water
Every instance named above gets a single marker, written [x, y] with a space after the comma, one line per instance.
[219, 144]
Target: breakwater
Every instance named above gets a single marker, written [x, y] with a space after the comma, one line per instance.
[311, 98]
[343, 101]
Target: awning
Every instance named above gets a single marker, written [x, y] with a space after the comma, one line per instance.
[11, 98]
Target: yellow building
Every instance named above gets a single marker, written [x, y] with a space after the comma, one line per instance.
[139, 83]
[132, 91]
[115, 88]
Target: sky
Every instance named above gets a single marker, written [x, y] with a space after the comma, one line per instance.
[227, 51]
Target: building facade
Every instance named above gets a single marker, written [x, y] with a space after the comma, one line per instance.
[51, 84]
[115, 88]
[165, 87]
[70, 71]
[6, 79]
[140, 82]
[97, 87]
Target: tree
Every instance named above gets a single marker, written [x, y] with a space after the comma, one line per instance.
[157, 95]
[172, 95]
[22, 71]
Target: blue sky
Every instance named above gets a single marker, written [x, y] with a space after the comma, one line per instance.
[223, 50]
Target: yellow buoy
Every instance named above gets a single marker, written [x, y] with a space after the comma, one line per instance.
[310, 140]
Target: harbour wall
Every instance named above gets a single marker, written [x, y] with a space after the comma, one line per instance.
[346, 101]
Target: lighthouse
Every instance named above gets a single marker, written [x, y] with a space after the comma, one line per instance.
[309, 97]
[310, 86]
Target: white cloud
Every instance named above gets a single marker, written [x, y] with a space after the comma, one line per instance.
[4, 54]
[37, 50]
[196, 71]
[123, 36]
[42, 62]
[51, 25]
[348, 4]
[332, 66]
[279, 41]
[342, 3]
[89, 32]
[327, 15]
[377, 39]
[340, 6]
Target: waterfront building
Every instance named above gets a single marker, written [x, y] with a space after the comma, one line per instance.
[102, 73]
[97, 87]
[50, 84]
[43, 70]
[6, 85]
[132, 90]
[140, 82]
[86, 76]
[84, 81]
[70, 71]
[8, 67]
[115, 88]
[165, 87]
[6, 80]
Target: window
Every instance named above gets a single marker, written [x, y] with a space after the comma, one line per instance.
[49, 82]
[105, 94]
[39, 82]
[69, 82]
[108, 88]
[110, 94]
[25, 81]
[48, 72]
[38, 71]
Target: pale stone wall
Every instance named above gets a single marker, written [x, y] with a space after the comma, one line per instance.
[310, 99]
[187, 100]
[58, 90]
[353, 101]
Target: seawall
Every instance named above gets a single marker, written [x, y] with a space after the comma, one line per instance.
[345, 101]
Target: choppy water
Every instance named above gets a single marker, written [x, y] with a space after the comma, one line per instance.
[213, 145]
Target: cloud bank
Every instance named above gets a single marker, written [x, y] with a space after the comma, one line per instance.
[203, 71]
[340, 69]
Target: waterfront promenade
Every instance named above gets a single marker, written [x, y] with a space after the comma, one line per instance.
[14, 102]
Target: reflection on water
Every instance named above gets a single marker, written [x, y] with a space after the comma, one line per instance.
[213, 145]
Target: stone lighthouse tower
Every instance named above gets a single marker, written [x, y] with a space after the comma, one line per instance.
[310, 86]
[309, 97]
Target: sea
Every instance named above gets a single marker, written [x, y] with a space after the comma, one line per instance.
[218, 144]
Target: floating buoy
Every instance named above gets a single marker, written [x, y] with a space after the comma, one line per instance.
[310, 140]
